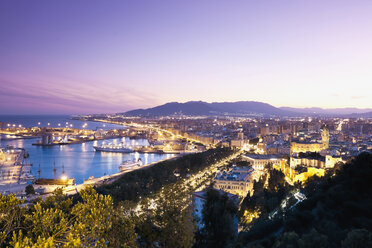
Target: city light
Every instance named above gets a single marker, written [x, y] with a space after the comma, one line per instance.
[229, 124]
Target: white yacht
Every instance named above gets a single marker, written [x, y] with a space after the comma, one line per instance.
[113, 148]
[129, 165]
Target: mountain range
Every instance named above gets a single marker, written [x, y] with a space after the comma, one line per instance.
[322, 111]
[243, 108]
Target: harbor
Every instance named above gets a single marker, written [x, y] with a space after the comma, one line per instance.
[51, 136]
[71, 189]
[70, 157]
[44, 187]
[24, 163]
[70, 167]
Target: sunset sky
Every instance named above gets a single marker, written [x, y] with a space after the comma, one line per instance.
[110, 56]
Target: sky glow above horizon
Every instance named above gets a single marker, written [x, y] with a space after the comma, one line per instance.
[76, 57]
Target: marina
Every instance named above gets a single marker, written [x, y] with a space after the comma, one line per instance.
[80, 161]
[121, 148]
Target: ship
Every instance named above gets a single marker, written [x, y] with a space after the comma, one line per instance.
[130, 165]
[59, 181]
[113, 148]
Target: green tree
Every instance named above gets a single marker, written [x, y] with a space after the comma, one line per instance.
[288, 240]
[93, 218]
[276, 180]
[174, 214]
[122, 232]
[308, 240]
[21, 241]
[167, 219]
[46, 223]
[12, 217]
[58, 200]
[358, 238]
[29, 189]
[98, 224]
[313, 239]
[219, 219]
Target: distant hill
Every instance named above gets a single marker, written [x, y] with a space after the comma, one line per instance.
[332, 111]
[215, 108]
[361, 115]
[244, 108]
[188, 108]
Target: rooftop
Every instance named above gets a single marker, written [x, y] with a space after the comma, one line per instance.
[233, 176]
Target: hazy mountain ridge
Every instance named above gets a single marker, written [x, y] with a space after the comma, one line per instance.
[332, 111]
[214, 108]
[361, 115]
[243, 108]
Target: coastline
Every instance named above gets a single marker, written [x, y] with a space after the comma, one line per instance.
[44, 190]
[74, 189]
[19, 189]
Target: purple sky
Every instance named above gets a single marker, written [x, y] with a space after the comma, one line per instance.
[107, 56]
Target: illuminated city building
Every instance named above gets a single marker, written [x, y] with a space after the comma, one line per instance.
[297, 146]
[307, 162]
[238, 181]
[258, 161]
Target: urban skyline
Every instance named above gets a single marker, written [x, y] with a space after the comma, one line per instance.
[94, 57]
[193, 124]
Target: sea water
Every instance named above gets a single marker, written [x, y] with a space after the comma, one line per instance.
[78, 161]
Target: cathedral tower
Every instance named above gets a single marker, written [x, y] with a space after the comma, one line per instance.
[325, 138]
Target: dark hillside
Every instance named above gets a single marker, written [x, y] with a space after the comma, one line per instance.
[336, 213]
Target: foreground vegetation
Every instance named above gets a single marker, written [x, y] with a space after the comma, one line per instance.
[56, 222]
[336, 213]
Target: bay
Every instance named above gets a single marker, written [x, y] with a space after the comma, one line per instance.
[80, 161]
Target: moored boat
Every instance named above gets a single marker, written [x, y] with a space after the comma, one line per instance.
[129, 165]
[113, 148]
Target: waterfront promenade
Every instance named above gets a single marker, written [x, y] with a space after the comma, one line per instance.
[70, 190]
[73, 189]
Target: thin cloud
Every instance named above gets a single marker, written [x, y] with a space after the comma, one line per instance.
[73, 96]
